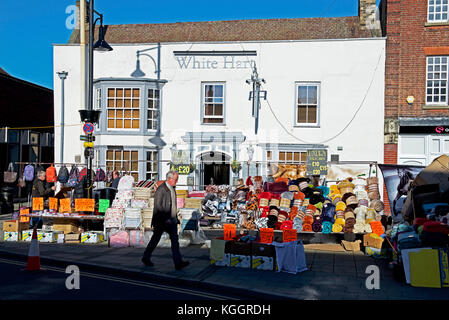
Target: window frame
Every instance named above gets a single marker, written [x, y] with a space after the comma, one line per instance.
[148, 109]
[139, 108]
[292, 161]
[434, 5]
[296, 105]
[122, 160]
[432, 103]
[156, 160]
[203, 103]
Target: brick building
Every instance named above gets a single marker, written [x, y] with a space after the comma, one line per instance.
[416, 80]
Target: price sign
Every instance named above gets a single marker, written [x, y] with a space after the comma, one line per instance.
[64, 205]
[103, 204]
[317, 162]
[85, 205]
[53, 204]
[229, 231]
[24, 211]
[38, 204]
[266, 235]
[181, 169]
[289, 235]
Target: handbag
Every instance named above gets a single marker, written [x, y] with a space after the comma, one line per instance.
[10, 176]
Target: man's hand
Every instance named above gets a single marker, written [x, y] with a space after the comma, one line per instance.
[53, 188]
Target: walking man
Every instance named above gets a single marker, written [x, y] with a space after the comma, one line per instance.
[165, 219]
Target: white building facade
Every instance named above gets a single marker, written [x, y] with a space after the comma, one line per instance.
[193, 96]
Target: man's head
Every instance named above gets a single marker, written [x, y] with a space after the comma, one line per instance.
[172, 178]
[41, 175]
[115, 174]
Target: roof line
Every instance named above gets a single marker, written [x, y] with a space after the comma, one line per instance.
[24, 82]
[227, 42]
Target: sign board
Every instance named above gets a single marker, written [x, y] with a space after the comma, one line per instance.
[88, 128]
[317, 162]
[103, 204]
[229, 231]
[266, 235]
[85, 205]
[38, 204]
[64, 205]
[86, 138]
[181, 169]
[289, 235]
[53, 204]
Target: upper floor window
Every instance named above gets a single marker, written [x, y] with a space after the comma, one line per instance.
[307, 103]
[153, 108]
[437, 11]
[437, 80]
[213, 103]
[123, 108]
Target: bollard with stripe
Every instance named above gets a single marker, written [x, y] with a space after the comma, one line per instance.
[34, 263]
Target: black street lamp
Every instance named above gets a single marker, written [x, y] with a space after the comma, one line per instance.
[90, 115]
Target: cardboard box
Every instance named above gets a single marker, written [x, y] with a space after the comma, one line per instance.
[72, 237]
[27, 235]
[444, 266]
[60, 237]
[48, 237]
[238, 248]
[369, 241]
[66, 226]
[435, 173]
[92, 237]
[226, 262]
[240, 261]
[351, 245]
[11, 236]
[262, 263]
[15, 226]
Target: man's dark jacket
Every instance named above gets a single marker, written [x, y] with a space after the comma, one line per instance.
[39, 189]
[162, 207]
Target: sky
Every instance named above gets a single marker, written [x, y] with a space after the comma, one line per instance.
[29, 28]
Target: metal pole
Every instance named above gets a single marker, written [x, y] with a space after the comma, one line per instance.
[83, 69]
[90, 88]
[62, 75]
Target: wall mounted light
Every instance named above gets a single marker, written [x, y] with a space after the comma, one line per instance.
[410, 100]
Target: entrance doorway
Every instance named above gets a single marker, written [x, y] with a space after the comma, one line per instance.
[214, 168]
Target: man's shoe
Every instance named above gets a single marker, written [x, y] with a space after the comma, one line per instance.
[147, 262]
[182, 265]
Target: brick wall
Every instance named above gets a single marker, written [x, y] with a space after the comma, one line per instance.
[390, 157]
[408, 40]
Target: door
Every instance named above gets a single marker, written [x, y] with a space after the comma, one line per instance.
[216, 174]
[438, 145]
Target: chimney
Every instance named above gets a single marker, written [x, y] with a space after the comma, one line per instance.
[368, 17]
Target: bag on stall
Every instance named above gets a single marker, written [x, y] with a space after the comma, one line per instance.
[63, 175]
[51, 175]
[113, 218]
[28, 173]
[10, 176]
[132, 218]
[74, 176]
[100, 175]
[119, 239]
[126, 183]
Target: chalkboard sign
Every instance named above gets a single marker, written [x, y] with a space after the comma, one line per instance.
[317, 162]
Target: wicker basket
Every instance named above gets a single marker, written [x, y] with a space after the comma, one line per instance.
[193, 203]
[142, 193]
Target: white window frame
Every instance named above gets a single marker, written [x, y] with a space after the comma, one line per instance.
[155, 110]
[203, 103]
[313, 124]
[132, 109]
[432, 6]
[446, 88]
[154, 170]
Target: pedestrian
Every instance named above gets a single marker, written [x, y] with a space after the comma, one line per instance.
[40, 190]
[165, 219]
[115, 179]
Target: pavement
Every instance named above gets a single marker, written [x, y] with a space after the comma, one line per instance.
[331, 275]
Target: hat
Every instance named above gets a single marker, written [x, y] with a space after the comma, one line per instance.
[350, 199]
[273, 208]
[282, 216]
[349, 214]
[303, 183]
[340, 206]
[336, 227]
[293, 188]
